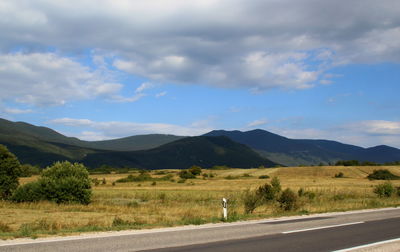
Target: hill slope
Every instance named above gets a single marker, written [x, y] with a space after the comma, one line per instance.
[307, 152]
[43, 146]
[181, 154]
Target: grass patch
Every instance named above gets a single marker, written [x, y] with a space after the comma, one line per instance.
[170, 203]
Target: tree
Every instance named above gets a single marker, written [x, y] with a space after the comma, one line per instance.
[9, 172]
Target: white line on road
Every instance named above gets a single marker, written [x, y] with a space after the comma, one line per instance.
[367, 245]
[316, 228]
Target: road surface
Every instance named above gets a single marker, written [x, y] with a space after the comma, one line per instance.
[321, 232]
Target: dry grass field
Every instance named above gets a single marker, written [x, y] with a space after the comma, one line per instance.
[138, 205]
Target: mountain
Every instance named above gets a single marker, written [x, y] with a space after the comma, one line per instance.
[291, 152]
[43, 146]
[133, 143]
[181, 154]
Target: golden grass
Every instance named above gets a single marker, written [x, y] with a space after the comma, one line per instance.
[143, 205]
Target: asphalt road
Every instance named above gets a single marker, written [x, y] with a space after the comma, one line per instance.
[323, 232]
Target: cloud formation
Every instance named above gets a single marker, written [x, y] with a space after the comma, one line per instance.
[44, 79]
[256, 45]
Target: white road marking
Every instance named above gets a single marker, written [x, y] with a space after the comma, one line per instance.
[367, 245]
[323, 227]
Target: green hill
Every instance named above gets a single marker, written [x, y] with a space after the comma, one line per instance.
[43, 146]
[181, 154]
[294, 152]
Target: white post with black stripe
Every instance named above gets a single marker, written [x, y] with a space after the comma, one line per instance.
[225, 208]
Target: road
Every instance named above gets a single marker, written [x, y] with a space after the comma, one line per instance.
[322, 232]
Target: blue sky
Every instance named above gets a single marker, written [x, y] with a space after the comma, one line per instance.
[107, 69]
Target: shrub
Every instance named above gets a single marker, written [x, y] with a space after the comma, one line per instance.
[309, 195]
[185, 174]
[263, 177]
[276, 184]
[117, 222]
[30, 192]
[251, 201]
[95, 181]
[63, 182]
[10, 169]
[288, 200]
[231, 177]
[28, 170]
[382, 174]
[339, 175]
[143, 176]
[4, 227]
[195, 170]
[300, 192]
[384, 190]
[266, 192]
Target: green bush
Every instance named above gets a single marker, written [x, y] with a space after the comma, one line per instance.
[30, 192]
[10, 170]
[384, 190]
[229, 177]
[28, 170]
[276, 184]
[288, 200]
[382, 174]
[63, 182]
[143, 176]
[251, 200]
[266, 192]
[195, 170]
[263, 177]
[185, 174]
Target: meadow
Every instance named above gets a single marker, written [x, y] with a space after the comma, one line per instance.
[150, 204]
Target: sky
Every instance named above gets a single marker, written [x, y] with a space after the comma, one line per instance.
[104, 69]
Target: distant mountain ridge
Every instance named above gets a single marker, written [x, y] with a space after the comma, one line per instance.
[202, 151]
[43, 146]
[307, 152]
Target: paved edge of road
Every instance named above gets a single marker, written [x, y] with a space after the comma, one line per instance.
[386, 246]
[91, 235]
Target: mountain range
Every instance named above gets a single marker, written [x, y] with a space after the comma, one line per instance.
[43, 146]
[294, 152]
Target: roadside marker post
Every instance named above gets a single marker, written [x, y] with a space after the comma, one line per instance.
[225, 208]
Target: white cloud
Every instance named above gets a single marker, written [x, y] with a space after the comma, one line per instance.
[143, 87]
[257, 123]
[362, 133]
[116, 129]
[47, 79]
[377, 127]
[17, 111]
[216, 42]
[43, 79]
[161, 94]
